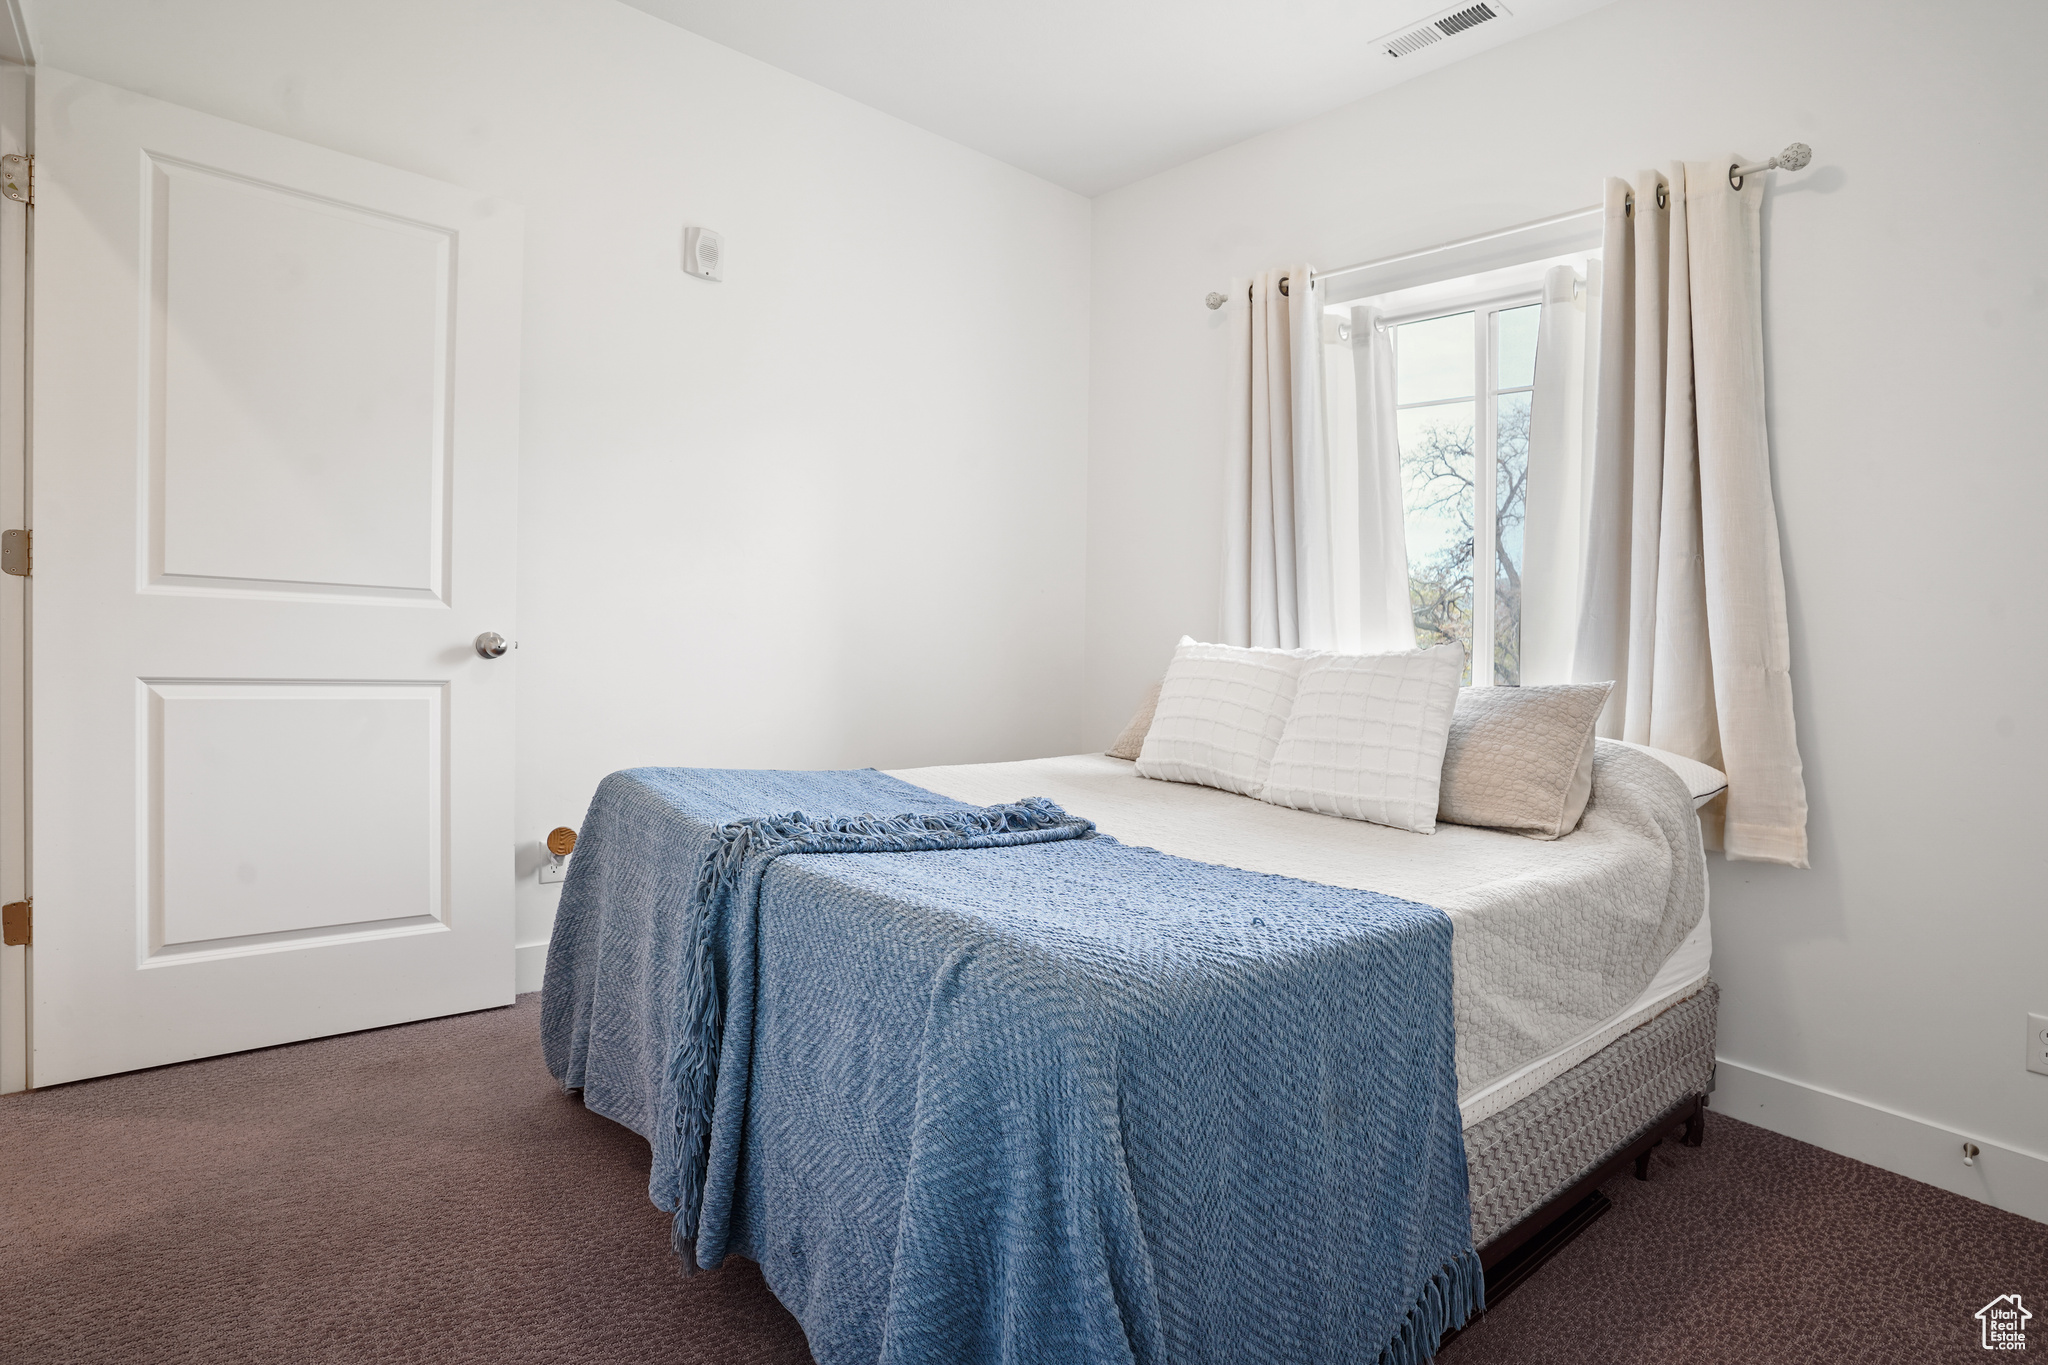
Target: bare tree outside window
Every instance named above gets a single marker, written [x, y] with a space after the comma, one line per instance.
[1437, 467]
[1464, 383]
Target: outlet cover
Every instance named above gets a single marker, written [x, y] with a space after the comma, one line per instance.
[2037, 1043]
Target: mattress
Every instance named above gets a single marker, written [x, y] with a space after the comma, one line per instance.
[1559, 947]
[1683, 975]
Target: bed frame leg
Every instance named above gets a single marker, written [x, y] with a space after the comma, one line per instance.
[1692, 1135]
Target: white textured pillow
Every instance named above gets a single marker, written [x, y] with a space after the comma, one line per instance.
[1702, 782]
[1221, 710]
[1366, 737]
[1521, 758]
[1131, 742]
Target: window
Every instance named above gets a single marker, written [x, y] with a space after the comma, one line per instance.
[1462, 392]
[1430, 378]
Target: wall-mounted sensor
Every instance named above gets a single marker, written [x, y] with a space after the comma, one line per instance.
[704, 253]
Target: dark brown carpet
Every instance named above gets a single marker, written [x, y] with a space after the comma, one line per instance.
[1757, 1248]
[426, 1193]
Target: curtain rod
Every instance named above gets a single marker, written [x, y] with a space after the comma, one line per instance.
[1791, 159]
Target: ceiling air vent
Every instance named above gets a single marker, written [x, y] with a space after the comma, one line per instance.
[1450, 23]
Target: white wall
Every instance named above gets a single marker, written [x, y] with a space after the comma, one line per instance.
[1907, 331]
[826, 513]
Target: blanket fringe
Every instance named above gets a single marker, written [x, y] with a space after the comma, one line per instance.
[1452, 1296]
[743, 844]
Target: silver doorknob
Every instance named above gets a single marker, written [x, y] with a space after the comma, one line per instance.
[491, 645]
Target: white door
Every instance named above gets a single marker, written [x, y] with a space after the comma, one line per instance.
[273, 452]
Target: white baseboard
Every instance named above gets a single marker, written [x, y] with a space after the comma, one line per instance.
[13, 1020]
[2003, 1177]
[529, 962]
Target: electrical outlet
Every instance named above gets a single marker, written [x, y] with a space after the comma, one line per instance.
[2037, 1043]
[553, 870]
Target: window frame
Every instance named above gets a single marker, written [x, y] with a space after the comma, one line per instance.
[1486, 308]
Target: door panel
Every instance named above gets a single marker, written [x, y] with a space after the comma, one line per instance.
[282, 810]
[273, 457]
[301, 360]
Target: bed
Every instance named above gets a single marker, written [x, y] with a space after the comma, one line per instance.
[1584, 1015]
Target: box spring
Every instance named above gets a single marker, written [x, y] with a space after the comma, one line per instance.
[1524, 1157]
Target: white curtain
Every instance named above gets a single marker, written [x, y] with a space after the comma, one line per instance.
[1683, 595]
[1340, 437]
[1278, 578]
[1378, 530]
[1560, 465]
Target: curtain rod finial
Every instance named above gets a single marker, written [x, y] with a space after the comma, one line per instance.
[1791, 159]
[1215, 300]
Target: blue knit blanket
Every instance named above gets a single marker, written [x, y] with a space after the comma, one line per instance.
[983, 1085]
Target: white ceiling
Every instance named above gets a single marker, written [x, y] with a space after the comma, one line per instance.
[1093, 94]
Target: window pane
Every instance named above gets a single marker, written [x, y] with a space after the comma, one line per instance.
[1436, 478]
[1434, 359]
[1510, 488]
[1518, 346]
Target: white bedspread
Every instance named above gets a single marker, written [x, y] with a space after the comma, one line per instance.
[1557, 944]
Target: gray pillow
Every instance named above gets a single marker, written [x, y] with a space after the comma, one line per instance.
[1132, 740]
[1521, 758]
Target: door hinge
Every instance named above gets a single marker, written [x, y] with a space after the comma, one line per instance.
[18, 177]
[18, 919]
[14, 553]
